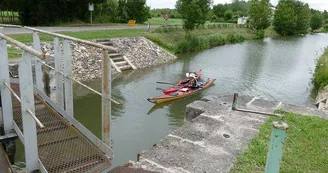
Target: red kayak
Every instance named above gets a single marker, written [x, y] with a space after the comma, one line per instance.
[181, 93]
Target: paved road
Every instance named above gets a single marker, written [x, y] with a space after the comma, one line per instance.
[83, 28]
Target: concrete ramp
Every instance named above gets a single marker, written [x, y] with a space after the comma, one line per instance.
[213, 136]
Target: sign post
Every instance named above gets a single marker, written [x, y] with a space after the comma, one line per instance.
[91, 10]
[166, 17]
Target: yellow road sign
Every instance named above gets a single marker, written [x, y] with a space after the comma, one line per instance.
[131, 22]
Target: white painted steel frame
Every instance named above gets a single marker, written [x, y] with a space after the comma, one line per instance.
[37, 65]
[6, 99]
[27, 97]
[68, 82]
[86, 132]
[59, 77]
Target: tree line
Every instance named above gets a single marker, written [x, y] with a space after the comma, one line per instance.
[289, 17]
[52, 12]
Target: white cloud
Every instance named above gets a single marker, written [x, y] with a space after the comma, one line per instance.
[316, 4]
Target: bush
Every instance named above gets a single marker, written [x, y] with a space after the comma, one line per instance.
[228, 15]
[316, 21]
[182, 46]
[192, 43]
[320, 79]
[216, 40]
[326, 21]
[232, 38]
[325, 27]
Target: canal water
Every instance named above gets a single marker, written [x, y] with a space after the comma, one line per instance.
[275, 69]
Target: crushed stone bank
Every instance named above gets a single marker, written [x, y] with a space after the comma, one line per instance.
[213, 135]
[87, 60]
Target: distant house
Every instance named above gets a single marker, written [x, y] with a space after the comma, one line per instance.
[242, 20]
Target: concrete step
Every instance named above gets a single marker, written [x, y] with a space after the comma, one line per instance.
[232, 132]
[121, 63]
[304, 110]
[172, 154]
[126, 67]
[116, 59]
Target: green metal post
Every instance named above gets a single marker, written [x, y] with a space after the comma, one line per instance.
[276, 146]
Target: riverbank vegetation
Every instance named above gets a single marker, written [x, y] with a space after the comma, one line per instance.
[320, 77]
[175, 40]
[305, 147]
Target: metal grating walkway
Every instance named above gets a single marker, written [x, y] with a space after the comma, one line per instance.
[61, 147]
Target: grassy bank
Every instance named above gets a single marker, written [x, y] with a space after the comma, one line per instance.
[320, 78]
[27, 38]
[305, 148]
[175, 41]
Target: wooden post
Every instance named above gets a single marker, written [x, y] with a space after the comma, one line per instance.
[106, 92]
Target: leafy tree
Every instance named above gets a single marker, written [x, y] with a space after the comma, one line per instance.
[193, 12]
[173, 13]
[133, 9]
[291, 17]
[228, 15]
[106, 12]
[325, 14]
[259, 16]
[46, 12]
[219, 10]
[316, 21]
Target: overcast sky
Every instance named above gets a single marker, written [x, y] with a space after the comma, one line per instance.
[316, 4]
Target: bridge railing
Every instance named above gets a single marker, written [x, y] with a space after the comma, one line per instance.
[29, 120]
[64, 81]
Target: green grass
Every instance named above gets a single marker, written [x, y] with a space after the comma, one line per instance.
[305, 148]
[14, 53]
[5, 13]
[320, 79]
[27, 38]
[171, 21]
[162, 21]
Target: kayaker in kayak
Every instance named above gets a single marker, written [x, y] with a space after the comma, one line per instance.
[192, 81]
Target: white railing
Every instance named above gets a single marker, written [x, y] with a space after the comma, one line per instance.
[26, 99]
[64, 90]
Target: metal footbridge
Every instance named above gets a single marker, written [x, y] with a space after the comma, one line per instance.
[54, 141]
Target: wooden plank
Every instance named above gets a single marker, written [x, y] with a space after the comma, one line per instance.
[115, 66]
[130, 63]
[5, 165]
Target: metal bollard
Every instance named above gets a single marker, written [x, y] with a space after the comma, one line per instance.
[276, 146]
[234, 101]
